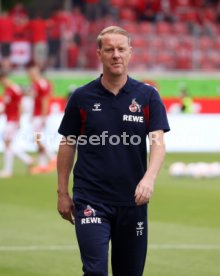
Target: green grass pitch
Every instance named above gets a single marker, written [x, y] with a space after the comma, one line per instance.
[169, 86]
[184, 226]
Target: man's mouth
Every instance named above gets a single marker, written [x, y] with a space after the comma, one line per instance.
[116, 63]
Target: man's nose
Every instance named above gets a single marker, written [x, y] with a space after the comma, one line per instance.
[116, 53]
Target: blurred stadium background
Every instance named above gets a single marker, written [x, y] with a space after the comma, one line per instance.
[176, 48]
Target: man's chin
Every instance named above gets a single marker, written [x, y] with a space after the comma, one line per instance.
[117, 72]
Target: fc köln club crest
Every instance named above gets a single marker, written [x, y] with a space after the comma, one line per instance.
[134, 106]
[89, 211]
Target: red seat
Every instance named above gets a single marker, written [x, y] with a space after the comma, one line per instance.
[133, 3]
[163, 28]
[206, 62]
[217, 43]
[139, 42]
[94, 27]
[209, 14]
[117, 3]
[145, 28]
[179, 28]
[171, 42]
[184, 63]
[131, 27]
[213, 28]
[127, 14]
[141, 60]
[206, 43]
[147, 58]
[135, 61]
[187, 42]
[73, 54]
[91, 57]
[180, 4]
[157, 42]
[165, 60]
[184, 58]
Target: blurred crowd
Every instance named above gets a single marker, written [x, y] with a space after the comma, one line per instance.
[39, 38]
[168, 34]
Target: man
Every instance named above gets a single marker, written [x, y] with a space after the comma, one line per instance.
[11, 108]
[110, 118]
[186, 102]
[6, 38]
[41, 91]
[37, 28]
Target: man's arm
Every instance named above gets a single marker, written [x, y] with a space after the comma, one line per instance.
[145, 187]
[45, 108]
[65, 159]
[45, 105]
[2, 110]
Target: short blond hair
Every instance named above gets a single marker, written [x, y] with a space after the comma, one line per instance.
[112, 30]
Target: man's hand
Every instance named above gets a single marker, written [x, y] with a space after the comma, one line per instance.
[144, 191]
[65, 159]
[145, 187]
[65, 207]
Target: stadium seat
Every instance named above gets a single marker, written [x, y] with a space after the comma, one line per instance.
[209, 14]
[182, 4]
[147, 58]
[130, 26]
[94, 27]
[184, 58]
[164, 60]
[145, 28]
[187, 42]
[117, 3]
[212, 29]
[179, 28]
[163, 28]
[142, 60]
[90, 57]
[217, 43]
[212, 59]
[133, 3]
[139, 42]
[188, 16]
[171, 42]
[127, 14]
[73, 53]
[157, 42]
[136, 62]
[184, 63]
[206, 62]
[206, 43]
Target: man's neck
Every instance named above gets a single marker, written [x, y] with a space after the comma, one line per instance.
[8, 83]
[114, 84]
[37, 78]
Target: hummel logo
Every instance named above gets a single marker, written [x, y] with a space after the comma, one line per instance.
[96, 107]
[140, 225]
[139, 228]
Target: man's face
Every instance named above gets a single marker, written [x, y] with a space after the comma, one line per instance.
[32, 72]
[115, 54]
[3, 81]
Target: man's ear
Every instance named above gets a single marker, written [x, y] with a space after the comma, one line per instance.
[98, 52]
